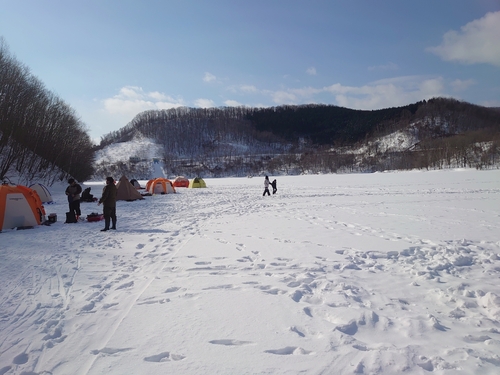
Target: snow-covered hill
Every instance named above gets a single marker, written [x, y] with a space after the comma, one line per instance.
[146, 150]
[423, 144]
[140, 147]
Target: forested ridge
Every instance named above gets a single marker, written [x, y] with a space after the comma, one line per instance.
[318, 124]
[318, 138]
[326, 124]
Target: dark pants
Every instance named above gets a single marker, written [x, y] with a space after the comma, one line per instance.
[266, 191]
[109, 215]
[74, 206]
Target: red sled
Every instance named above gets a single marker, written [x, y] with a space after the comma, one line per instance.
[95, 217]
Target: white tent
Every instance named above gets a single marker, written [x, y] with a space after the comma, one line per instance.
[43, 193]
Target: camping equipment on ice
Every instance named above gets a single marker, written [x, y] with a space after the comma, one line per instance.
[43, 193]
[52, 218]
[135, 184]
[181, 181]
[70, 218]
[94, 216]
[160, 186]
[20, 207]
[197, 182]
[125, 191]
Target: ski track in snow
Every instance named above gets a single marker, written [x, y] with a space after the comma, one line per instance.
[56, 285]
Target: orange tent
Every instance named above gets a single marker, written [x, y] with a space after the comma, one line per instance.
[181, 181]
[160, 186]
[20, 206]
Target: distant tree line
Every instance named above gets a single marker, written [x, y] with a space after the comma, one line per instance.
[41, 136]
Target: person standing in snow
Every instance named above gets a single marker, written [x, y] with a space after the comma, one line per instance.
[73, 192]
[274, 184]
[108, 200]
[266, 186]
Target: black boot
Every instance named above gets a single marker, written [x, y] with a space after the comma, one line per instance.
[106, 224]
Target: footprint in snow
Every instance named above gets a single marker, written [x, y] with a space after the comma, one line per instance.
[297, 331]
[164, 357]
[110, 351]
[172, 289]
[126, 285]
[289, 350]
[229, 342]
[21, 359]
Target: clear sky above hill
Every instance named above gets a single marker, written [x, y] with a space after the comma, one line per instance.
[111, 60]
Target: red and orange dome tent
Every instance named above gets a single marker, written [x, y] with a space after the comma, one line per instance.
[160, 185]
[181, 181]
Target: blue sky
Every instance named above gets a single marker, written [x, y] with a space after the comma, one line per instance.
[110, 60]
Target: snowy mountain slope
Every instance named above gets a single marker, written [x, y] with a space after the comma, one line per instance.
[141, 147]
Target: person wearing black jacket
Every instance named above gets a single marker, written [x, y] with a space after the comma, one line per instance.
[108, 201]
[73, 192]
[274, 184]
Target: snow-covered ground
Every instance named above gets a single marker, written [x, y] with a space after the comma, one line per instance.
[389, 273]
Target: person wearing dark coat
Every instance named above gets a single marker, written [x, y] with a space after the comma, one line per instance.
[73, 192]
[108, 201]
[274, 184]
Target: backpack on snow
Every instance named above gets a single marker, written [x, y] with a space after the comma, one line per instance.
[70, 217]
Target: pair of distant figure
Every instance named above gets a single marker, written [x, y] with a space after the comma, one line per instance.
[274, 185]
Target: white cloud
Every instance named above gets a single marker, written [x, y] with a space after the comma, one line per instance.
[157, 96]
[380, 94]
[477, 42]
[132, 100]
[204, 103]
[387, 93]
[491, 103]
[124, 106]
[461, 85]
[311, 71]
[209, 77]
[132, 92]
[248, 89]
[284, 97]
[232, 103]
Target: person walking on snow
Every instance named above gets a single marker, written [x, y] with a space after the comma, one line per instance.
[108, 200]
[266, 186]
[274, 185]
